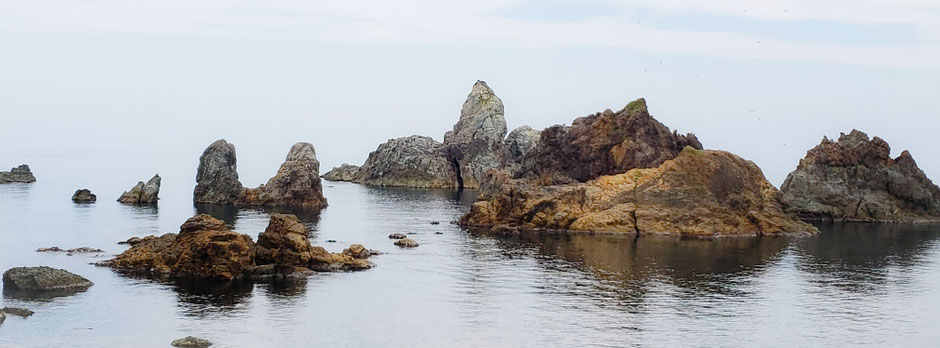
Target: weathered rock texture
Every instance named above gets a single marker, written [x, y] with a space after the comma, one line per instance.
[217, 176]
[855, 179]
[206, 249]
[18, 174]
[296, 184]
[345, 172]
[605, 143]
[43, 278]
[414, 161]
[84, 196]
[698, 194]
[520, 141]
[143, 193]
[475, 145]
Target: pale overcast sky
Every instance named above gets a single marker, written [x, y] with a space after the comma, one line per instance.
[763, 79]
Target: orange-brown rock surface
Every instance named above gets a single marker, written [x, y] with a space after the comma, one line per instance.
[700, 193]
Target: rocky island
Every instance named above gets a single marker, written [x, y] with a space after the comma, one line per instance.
[20, 174]
[855, 179]
[143, 193]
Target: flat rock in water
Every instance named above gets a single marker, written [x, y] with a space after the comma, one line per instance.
[406, 243]
[191, 342]
[43, 279]
[20, 312]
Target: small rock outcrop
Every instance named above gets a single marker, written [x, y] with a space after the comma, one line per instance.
[520, 141]
[406, 243]
[475, 145]
[414, 161]
[191, 342]
[855, 179]
[143, 193]
[20, 312]
[296, 184]
[84, 196]
[345, 172]
[605, 143]
[217, 175]
[18, 174]
[43, 279]
[697, 194]
[397, 236]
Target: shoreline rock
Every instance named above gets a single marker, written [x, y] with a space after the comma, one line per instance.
[855, 179]
[84, 196]
[415, 161]
[20, 174]
[142, 193]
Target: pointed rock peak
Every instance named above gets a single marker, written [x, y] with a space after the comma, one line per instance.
[301, 151]
[480, 87]
[154, 180]
[636, 106]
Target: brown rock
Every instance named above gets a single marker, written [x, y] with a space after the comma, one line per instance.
[296, 184]
[406, 243]
[142, 193]
[358, 251]
[84, 196]
[397, 236]
[284, 242]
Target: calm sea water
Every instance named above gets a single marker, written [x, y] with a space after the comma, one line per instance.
[855, 284]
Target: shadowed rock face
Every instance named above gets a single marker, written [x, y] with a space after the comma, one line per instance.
[855, 179]
[697, 194]
[475, 145]
[605, 143]
[414, 161]
[143, 193]
[296, 184]
[18, 174]
[345, 172]
[217, 176]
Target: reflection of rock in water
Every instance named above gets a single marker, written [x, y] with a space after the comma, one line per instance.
[198, 298]
[224, 212]
[461, 197]
[229, 213]
[285, 289]
[862, 253]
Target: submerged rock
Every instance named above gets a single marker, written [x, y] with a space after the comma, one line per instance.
[79, 250]
[18, 174]
[84, 196]
[43, 279]
[217, 176]
[143, 193]
[20, 312]
[345, 172]
[605, 143]
[414, 161]
[855, 179]
[475, 145]
[697, 194]
[191, 342]
[132, 241]
[296, 184]
[406, 243]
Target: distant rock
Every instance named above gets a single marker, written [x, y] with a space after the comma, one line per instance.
[84, 196]
[79, 250]
[132, 241]
[20, 312]
[406, 243]
[191, 342]
[143, 193]
[345, 172]
[217, 175]
[697, 194]
[520, 141]
[855, 179]
[397, 236]
[414, 161]
[605, 143]
[18, 174]
[43, 279]
[475, 145]
[296, 184]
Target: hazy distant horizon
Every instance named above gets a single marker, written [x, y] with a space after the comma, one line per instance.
[164, 81]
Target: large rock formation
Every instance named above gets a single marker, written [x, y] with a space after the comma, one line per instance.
[520, 141]
[345, 172]
[605, 143]
[697, 194]
[43, 279]
[84, 196]
[206, 249]
[855, 179]
[17, 174]
[217, 176]
[475, 145]
[414, 161]
[296, 184]
[143, 193]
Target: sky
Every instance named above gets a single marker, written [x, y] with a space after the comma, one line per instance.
[163, 79]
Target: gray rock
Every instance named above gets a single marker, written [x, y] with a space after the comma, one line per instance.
[475, 144]
[217, 176]
[43, 279]
[415, 161]
[191, 342]
[345, 172]
[855, 179]
[20, 312]
[17, 174]
[296, 184]
[406, 243]
[520, 141]
[84, 196]
[143, 193]
[397, 236]
[2, 317]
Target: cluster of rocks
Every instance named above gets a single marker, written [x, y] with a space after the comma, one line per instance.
[477, 144]
[206, 248]
[296, 184]
[20, 174]
[142, 193]
[79, 250]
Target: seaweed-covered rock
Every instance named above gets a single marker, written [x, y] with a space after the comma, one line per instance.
[345, 172]
[855, 179]
[143, 193]
[414, 161]
[296, 184]
[217, 175]
[18, 174]
[84, 196]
